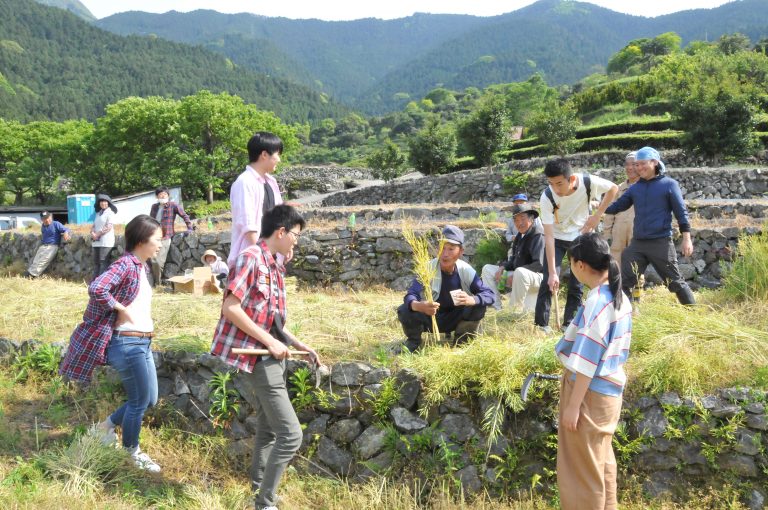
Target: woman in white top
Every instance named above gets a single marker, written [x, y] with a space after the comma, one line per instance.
[103, 233]
[121, 306]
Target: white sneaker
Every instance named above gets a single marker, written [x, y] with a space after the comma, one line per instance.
[108, 437]
[143, 461]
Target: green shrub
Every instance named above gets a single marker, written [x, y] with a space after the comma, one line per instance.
[490, 251]
[747, 276]
[632, 141]
[201, 209]
[44, 360]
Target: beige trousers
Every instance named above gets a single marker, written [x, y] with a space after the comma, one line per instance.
[621, 235]
[586, 465]
[525, 287]
[43, 258]
[158, 263]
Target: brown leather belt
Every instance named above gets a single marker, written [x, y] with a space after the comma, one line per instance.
[137, 334]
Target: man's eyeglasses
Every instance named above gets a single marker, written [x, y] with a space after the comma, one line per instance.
[296, 235]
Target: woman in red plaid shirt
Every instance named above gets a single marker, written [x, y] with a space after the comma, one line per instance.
[252, 317]
[117, 329]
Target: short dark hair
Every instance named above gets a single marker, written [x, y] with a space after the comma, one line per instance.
[558, 167]
[594, 251]
[139, 230]
[263, 141]
[161, 189]
[281, 216]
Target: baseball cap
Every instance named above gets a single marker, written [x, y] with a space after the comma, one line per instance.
[520, 196]
[453, 234]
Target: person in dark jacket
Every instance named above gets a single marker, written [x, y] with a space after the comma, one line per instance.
[523, 271]
[655, 198]
[459, 296]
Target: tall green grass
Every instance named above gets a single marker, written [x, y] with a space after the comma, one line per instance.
[747, 276]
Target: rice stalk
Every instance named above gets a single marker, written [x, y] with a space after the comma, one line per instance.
[424, 270]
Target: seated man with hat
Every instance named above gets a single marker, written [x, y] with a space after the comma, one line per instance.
[524, 266]
[459, 296]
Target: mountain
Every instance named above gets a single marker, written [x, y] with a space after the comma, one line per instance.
[73, 6]
[344, 58]
[55, 66]
[373, 64]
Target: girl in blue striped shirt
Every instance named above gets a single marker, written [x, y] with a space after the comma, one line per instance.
[593, 352]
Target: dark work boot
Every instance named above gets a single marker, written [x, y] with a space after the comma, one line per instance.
[412, 344]
[465, 331]
[685, 296]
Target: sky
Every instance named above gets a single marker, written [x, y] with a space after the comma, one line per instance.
[384, 9]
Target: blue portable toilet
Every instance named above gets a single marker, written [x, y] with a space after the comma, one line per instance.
[80, 209]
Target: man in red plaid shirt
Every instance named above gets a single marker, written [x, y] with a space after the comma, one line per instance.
[252, 317]
[165, 211]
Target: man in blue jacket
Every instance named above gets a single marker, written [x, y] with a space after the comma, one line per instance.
[459, 296]
[655, 198]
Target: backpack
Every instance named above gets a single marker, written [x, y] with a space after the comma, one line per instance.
[587, 186]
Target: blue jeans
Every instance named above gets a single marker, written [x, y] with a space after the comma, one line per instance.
[132, 358]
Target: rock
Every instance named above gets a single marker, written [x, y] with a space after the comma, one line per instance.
[238, 430]
[652, 461]
[458, 427]
[757, 421]
[370, 442]
[344, 431]
[691, 454]
[756, 500]
[736, 394]
[349, 373]
[8, 348]
[645, 402]
[316, 427]
[376, 375]
[688, 271]
[470, 481]
[452, 405]
[338, 459]
[239, 450]
[659, 484]
[164, 387]
[405, 421]
[747, 442]
[741, 465]
[410, 386]
[755, 408]
[724, 410]
[653, 422]
[670, 398]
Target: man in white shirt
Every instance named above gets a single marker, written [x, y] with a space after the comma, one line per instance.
[254, 192]
[565, 213]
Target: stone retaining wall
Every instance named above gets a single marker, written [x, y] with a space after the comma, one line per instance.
[485, 185]
[357, 427]
[301, 181]
[370, 255]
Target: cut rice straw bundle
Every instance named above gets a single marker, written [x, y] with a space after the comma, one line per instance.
[423, 269]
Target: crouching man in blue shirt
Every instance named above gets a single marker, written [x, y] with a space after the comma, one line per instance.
[655, 198]
[459, 313]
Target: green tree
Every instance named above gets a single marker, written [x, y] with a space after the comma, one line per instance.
[214, 133]
[388, 162]
[717, 125]
[487, 130]
[729, 44]
[433, 149]
[556, 127]
[34, 156]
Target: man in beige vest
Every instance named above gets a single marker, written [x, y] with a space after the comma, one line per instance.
[617, 228]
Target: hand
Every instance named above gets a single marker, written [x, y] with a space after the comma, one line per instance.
[65, 236]
[590, 224]
[94, 236]
[570, 418]
[278, 350]
[123, 317]
[497, 276]
[288, 257]
[509, 280]
[425, 308]
[314, 358]
[687, 246]
[464, 299]
[186, 233]
[553, 282]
